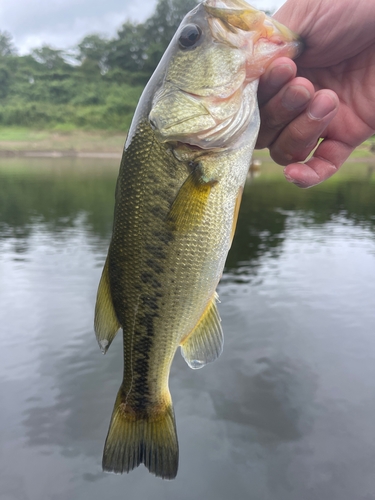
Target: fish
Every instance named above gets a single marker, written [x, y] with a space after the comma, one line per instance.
[178, 194]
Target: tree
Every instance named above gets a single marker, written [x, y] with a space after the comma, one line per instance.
[163, 24]
[6, 45]
[127, 49]
[94, 49]
[4, 81]
[52, 58]
[48, 87]
[139, 47]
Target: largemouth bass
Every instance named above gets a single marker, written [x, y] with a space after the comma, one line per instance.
[178, 194]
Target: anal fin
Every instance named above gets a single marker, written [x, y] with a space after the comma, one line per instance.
[106, 323]
[205, 342]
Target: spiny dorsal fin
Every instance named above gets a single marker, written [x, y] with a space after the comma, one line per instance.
[205, 343]
[190, 203]
[106, 322]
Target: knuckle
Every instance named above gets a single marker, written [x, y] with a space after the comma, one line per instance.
[300, 140]
[290, 151]
[298, 135]
[272, 118]
[279, 156]
[273, 122]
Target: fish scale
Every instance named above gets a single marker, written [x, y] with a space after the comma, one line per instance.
[177, 198]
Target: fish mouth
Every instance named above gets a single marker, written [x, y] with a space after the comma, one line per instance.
[238, 24]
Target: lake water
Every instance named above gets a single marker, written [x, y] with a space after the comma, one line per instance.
[286, 413]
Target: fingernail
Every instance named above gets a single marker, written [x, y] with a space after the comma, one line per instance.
[321, 106]
[280, 75]
[295, 97]
[288, 178]
[294, 181]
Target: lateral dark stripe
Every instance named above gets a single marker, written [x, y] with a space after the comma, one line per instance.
[155, 266]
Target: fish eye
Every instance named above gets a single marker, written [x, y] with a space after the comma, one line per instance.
[189, 36]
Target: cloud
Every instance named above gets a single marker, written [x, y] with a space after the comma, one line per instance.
[63, 23]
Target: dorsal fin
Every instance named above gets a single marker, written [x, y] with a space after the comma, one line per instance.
[106, 323]
[205, 342]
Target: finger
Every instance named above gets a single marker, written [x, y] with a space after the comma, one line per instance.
[282, 109]
[278, 73]
[327, 159]
[300, 137]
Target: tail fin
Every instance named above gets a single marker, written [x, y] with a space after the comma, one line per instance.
[131, 441]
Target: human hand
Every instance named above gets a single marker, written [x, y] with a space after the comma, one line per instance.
[333, 96]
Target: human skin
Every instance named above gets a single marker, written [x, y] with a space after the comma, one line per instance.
[328, 93]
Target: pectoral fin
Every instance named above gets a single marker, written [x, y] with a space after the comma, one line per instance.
[188, 208]
[205, 343]
[106, 322]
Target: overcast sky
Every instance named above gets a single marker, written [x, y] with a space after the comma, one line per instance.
[63, 23]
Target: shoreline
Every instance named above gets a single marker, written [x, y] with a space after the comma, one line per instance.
[23, 142]
[58, 154]
[262, 155]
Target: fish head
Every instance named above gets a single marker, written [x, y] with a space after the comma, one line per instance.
[212, 66]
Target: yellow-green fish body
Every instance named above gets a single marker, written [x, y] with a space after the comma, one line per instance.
[177, 198]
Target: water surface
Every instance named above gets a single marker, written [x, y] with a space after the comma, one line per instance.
[286, 413]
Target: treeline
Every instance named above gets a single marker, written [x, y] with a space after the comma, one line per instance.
[95, 85]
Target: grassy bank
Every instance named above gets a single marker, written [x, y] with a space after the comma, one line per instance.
[18, 139]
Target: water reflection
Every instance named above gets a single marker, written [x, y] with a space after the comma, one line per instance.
[285, 413]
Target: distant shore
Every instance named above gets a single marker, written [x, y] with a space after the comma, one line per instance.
[18, 141]
[260, 155]
[4, 153]
[23, 142]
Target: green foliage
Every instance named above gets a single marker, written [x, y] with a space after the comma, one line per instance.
[139, 47]
[115, 112]
[100, 89]
[50, 58]
[4, 81]
[6, 45]
[93, 51]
